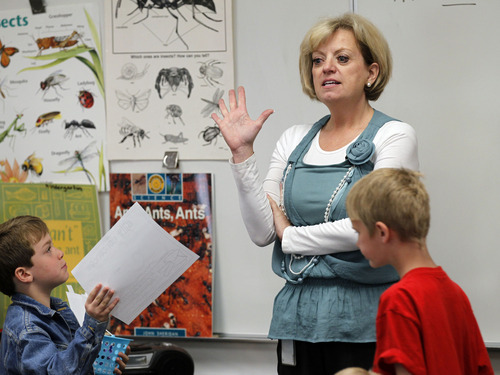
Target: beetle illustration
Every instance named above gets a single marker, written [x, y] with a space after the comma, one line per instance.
[173, 78]
[210, 72]
[209, 134]
[86, 98]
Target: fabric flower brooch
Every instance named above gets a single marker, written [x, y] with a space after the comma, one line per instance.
[360, 152]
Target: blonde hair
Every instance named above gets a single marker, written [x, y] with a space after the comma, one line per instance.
[371, 42]
[355, 371]
[395, 196]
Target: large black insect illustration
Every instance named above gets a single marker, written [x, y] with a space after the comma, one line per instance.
[209, 134]
[173, 79]
[175, 5]
[129, 130]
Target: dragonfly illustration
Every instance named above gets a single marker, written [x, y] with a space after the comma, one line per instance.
[77, 161]
[212, 105]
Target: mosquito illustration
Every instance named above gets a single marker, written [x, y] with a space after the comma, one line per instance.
[4, 91]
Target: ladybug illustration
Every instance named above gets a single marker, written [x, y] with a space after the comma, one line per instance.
[86, 99]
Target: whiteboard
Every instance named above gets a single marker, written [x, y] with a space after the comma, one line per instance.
[445, 83]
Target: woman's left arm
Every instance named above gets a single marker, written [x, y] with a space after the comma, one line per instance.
[395, 147]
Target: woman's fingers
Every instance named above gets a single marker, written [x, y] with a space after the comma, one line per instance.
[242, 100]
[264, 116]
[232, 100]
[223, 108]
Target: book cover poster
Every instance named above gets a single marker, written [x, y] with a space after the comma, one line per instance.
[182, 204]
[71, 213]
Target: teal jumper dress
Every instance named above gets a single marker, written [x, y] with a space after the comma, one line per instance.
[329, 297]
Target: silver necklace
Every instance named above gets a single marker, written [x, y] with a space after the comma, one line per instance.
[335, 192]
[327, 214]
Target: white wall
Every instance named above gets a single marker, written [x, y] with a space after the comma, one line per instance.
[267, 34]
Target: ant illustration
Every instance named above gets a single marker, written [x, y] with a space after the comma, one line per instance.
[175, 5]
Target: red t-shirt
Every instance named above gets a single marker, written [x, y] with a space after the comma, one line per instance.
[425, 322]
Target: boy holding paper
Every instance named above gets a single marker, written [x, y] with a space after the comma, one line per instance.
[41, 335]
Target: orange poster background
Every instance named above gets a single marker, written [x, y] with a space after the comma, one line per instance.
[186, 306]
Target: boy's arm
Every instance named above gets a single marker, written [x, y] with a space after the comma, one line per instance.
[41, 355]
[75, 354]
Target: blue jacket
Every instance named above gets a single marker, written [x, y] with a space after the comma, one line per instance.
[41, 340]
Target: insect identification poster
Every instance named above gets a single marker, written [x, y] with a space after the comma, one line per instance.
[167, 65]
[52, 110]
[71, 213]
[181, 203]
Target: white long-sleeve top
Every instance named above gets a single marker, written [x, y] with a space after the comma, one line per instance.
[395, 147]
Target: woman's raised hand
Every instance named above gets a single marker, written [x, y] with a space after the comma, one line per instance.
[236, 126]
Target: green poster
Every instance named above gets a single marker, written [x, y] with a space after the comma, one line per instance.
[71, 213]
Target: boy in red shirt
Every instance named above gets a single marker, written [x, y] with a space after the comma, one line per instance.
[425, 323]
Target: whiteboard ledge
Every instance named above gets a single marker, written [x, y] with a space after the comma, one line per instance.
[217, 337]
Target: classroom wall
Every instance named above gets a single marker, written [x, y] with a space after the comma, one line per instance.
[436, 89]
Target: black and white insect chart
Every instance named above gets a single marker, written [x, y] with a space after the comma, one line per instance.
[168, 64]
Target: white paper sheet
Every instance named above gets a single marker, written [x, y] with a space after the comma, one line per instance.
[77, 304]
[138, 259]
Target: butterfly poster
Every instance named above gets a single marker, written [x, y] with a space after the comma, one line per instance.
[52, 111]
[165, 74]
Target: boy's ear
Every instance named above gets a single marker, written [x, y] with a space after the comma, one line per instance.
[23, 274]
[383, 231]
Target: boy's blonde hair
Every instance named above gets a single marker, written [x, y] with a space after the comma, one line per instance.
[355, 371]
[371, 42]
[395, 196]
[17, 237]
